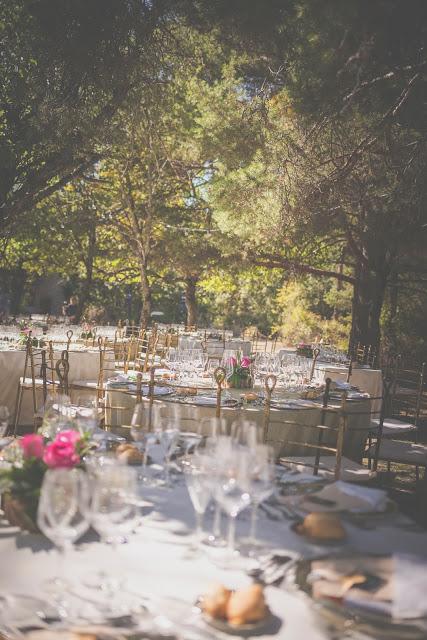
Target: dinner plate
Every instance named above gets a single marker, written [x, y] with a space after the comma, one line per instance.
[328, 506]
[346, 617]
[262, 626]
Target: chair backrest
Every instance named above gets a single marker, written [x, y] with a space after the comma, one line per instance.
[408, 397]
[220, 376]
[364, 354]
[40, 365]
[332, 424]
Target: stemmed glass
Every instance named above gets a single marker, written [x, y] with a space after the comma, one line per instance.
[197, 470]
[141, 436]
[113, 511]
[61, 516]
[86, 414]
[232, 488]
[262, 476]
[166, 437]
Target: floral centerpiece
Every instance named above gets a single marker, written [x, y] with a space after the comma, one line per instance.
[25, 333]
[239, 374]
[305, 350]
[87, 332]
[30, 457]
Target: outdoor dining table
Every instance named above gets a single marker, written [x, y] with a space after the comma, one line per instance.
[215, 346]
[84, 365]
[188, 414]
[156, 569]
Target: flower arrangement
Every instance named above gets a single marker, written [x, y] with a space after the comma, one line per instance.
[87, 332]
[305, 350]
[25, 333]
[240, 376]
[30, 457]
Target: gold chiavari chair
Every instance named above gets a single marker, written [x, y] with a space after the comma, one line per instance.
[408, 403]
[364, 354]
[41, 375]
[328, 438]
[145, 352]
[116, 412]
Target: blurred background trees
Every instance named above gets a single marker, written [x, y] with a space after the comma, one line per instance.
[219, 162]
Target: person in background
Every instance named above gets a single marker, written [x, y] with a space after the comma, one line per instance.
[70, 310]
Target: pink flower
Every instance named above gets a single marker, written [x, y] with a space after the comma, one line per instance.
[32, 445]
[61, 453]
[233, 361]
[246, 362]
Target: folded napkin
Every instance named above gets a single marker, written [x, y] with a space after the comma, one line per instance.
[409, 586]
[348, 497]
[394, 585]
[302, 478]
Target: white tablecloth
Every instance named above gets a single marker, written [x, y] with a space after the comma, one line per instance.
[155, 563]
[369, 380]
[84, 365]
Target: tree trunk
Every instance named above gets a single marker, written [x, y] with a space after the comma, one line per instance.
[368, 298]
[85, 291]
[191, 301]
[146, 298]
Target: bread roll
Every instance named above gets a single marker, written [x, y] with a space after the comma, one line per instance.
[246, 605]
[124, 447]
[324, 526]
[215, 601]
[131, 455]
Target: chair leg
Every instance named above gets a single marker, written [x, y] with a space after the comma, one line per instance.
[18, 405]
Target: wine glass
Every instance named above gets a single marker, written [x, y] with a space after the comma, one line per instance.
[167, 436]
[197, 470]
[141, 436]
[86, 414]
[262, 475]
[113, 511]
[61, 517]
[232, 488]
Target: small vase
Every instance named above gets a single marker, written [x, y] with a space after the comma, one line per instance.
[236, 381]
[17, 513]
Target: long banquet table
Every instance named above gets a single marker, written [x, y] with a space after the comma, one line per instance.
[156, 564]
[189, 416]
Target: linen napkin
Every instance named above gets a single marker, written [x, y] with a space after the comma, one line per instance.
[397, 586]
[345, 496]
[409, 587]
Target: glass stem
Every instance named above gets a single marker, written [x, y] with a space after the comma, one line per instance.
[254, 517]
[199, 526]
[232, 533]
[216, 529]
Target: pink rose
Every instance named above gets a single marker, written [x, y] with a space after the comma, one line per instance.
[246, 362]
[32, 445]
[61, 453]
